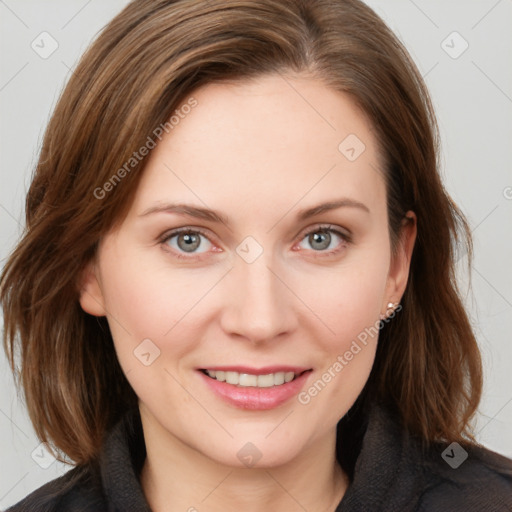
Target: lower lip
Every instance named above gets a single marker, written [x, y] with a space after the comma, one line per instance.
[257, 399]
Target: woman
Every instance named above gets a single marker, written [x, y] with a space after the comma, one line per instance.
[236, 287]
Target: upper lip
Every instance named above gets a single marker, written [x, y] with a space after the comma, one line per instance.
[258, 371]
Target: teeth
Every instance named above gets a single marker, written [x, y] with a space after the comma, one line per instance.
[231, 377]
[288, 376]
[247, 379]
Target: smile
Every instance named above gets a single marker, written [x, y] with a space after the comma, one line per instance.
[255, 388]
[251, 380]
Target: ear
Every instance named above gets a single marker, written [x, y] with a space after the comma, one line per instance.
[90, 294]
[401, 261]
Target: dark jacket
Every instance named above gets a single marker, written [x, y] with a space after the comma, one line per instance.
[391, 474]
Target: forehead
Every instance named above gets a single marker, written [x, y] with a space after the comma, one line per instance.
[276, 140]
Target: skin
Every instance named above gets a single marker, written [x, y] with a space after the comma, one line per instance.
[258, 152]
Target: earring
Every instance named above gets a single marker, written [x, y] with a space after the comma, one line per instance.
[390, 308]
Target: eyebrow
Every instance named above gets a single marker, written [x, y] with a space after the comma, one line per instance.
[331, 205]
[215, 216]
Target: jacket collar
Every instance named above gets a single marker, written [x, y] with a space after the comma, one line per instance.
[386, 473]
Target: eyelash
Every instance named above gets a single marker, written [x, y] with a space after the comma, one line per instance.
[324, 228]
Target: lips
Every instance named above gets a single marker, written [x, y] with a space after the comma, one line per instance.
[252, 380]
[258, 371]
[255, 388]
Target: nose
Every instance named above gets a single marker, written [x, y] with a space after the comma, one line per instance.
[259, 307]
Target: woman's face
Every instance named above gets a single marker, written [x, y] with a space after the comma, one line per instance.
[285, 280]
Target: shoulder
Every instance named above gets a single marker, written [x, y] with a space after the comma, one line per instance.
[396, 471]
[109, 482]
[470, 478]
[78, 490]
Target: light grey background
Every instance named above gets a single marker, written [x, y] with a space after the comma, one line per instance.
[472, 94]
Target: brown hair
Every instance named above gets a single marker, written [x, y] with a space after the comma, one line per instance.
[144, 64]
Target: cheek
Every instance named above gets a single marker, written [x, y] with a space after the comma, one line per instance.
[350, 305]
[149, 309]
[348, 300]
[147, 299]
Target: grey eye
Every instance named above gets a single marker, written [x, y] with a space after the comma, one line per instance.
[320, 240]
[189, 241]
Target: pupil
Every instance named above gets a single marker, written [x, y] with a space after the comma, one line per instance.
[321, 238]
[188, 242]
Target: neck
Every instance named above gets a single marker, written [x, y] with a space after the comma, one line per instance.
[176, 477]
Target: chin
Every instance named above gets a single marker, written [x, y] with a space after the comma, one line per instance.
[257, 452]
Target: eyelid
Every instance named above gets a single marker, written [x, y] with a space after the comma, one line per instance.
[343, 233]
[185, 229]
[167, 235]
